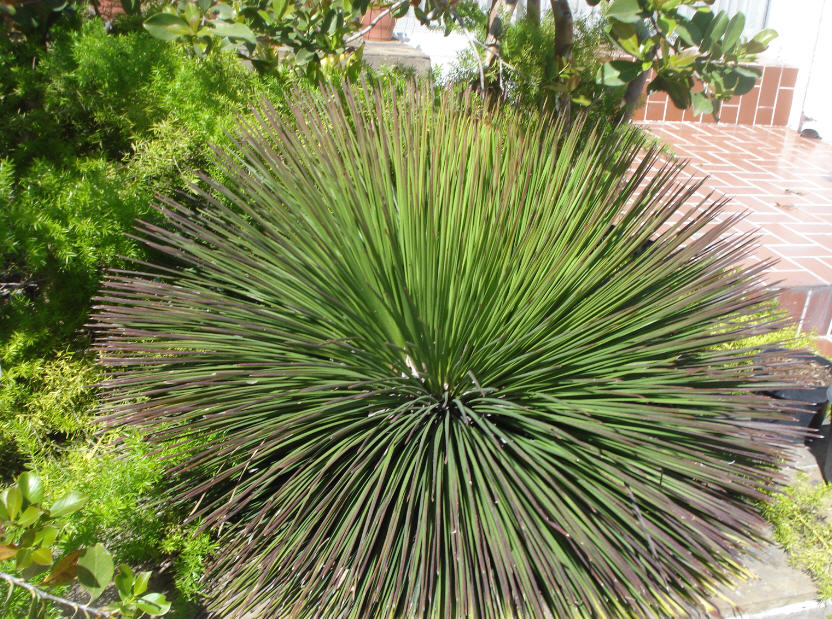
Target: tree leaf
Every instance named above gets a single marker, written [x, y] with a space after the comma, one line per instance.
[64, 571]
[124, 580]
[7, 551]
[618, 72]
[733, 33]
[304, 56]
[31, 486]
[23, 558]
[42, 556]
[68, 504]
[12, 500]
[29, 516]
[95, 569]
[167, 26]
[154, 604]
[677, 87]
[624, 10]
[235, 30]
[745, 82]
[764, 37]
[715, 31]
[45, 536]
[222, 11]
[688, 32]
[701, 104]
[140, 585]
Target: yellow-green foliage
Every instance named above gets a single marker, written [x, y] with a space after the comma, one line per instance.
[784, 334]
[46, 408]
[43, 404]
[800, 516]
[124, 481]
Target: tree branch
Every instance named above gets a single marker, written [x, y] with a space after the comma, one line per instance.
[533, 11]
[564, 35]
[471, 42]
[376, 19]
[634, 90]
[87, 610]
[564, 38]
[494, 36]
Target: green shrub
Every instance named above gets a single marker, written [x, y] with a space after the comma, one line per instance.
[800, 516]
[447, 373]
[60, 226]
[123, 479]
[191, 551]
[98, 86]
[96, 124]
[779, 331]
[530, 79]
[43, 404]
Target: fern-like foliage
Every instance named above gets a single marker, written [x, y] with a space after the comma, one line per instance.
[456, 363]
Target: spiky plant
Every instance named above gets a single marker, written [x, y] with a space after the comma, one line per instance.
[455, 363]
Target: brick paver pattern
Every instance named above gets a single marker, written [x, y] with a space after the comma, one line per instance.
[783, 180]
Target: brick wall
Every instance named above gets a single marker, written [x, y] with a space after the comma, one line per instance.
[810, 307]
[768, 104]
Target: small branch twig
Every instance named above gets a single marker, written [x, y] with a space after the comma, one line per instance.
[498, 57]
[87, 610]
[473, 47]
[376, 19]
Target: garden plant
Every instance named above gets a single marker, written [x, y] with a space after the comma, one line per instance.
[28, 534]
[429, 358]
[493, 319]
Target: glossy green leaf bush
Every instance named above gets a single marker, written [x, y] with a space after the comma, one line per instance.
[458, 364]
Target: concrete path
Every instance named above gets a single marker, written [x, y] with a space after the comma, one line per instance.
[776, 589]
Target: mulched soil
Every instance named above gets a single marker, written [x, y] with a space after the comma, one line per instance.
[802, 369]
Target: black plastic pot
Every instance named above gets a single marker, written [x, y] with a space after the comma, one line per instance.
[813, 400]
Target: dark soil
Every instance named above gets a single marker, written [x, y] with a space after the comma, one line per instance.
[802, 369]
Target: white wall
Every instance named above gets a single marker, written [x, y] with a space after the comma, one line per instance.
[805, 41]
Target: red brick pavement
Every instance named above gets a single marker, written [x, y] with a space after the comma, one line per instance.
[784, 182]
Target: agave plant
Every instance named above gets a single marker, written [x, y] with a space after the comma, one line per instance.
[448, 362]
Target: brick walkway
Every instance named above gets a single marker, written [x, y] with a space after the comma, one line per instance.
[785, 183]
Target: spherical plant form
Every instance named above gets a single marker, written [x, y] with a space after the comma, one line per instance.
[452, 362]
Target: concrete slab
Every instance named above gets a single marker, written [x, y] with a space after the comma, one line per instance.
[774, 584]
[378, 54]
[775, 589]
